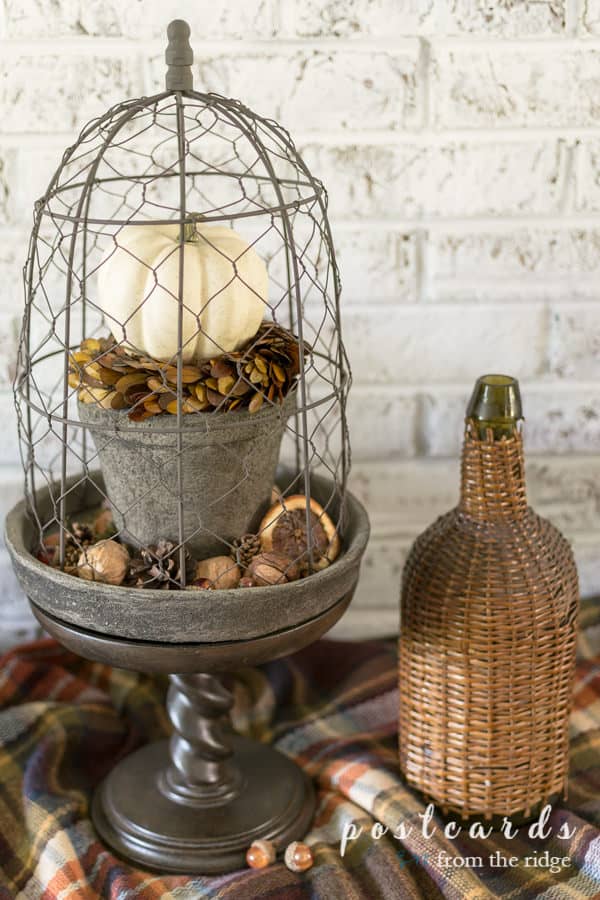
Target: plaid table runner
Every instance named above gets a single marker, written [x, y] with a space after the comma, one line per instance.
[64, 722]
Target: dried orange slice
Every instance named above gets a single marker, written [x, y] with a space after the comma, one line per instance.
[284, 530]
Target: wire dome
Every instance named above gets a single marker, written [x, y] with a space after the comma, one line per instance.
[177, 159]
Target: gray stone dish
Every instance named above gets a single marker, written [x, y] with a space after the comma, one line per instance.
[183, 616]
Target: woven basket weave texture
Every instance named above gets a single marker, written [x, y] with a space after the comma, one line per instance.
[487, 645]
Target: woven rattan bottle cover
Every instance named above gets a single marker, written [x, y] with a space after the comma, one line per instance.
[488, 631]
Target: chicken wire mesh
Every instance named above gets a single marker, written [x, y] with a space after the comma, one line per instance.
[175, 161]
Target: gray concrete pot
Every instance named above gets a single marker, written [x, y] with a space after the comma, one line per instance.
[183, 616]
[228, 465]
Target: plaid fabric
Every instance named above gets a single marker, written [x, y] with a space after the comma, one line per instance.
[64, 722]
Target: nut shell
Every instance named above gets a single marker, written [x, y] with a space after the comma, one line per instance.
[200, 584]
[283, 529]
[106, 561]
[271, 567]
[221, 571]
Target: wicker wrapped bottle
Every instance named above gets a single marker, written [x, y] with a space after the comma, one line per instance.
[488, 631]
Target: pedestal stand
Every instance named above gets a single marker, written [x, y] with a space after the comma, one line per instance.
[196, 803]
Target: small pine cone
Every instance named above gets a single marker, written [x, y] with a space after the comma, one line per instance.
[72, 554]
[80, 538]
[162, 565]
[82, 534]
[245, 549]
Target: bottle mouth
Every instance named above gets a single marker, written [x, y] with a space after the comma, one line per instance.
[495, 398]
[498, 380]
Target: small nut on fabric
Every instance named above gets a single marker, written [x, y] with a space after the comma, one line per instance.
[261, 854]
[298, 857]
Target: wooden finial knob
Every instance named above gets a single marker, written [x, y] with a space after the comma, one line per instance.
[179, 57]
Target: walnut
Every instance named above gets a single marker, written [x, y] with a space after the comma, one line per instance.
[200, 584]
[247, 582]
[106, 561]
[221, 571]
[272, 568]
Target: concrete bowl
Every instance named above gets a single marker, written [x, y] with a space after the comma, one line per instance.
[183, 616]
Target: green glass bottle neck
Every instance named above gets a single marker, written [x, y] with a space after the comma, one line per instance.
[495, 409]
[493, 466]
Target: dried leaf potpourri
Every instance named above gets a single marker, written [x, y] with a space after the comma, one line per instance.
[277, 554]
[103, 372]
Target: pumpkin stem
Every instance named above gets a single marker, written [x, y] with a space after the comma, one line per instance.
[190, 235]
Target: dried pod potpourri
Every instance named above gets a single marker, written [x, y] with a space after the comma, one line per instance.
[252, 562]
[115, 378]
[313, 544]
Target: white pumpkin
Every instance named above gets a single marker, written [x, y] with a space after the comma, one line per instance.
[225, 287]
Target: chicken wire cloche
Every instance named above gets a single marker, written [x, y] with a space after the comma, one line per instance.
[181, 396]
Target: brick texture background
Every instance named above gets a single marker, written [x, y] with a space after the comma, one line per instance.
[459, 141]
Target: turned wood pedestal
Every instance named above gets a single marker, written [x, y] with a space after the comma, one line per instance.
[195, 803]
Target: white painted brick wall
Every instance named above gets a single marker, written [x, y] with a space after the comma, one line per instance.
[514, 86]
[460, 144]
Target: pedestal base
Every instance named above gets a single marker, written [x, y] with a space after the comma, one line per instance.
[135, 818]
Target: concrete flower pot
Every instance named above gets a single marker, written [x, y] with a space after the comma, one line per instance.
[228, 463]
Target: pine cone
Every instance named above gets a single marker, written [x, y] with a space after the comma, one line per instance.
[80, 538]
[72, 554]
[245, 549]
[158, 566]
[82, 533]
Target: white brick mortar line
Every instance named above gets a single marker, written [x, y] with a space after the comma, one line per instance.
[467, 223]
[420, 137]
[384, 306]
[527, 283]
[448, 389]
[385, 467]
[118, 46]
[386, 528]
[439, 137]
[551, 42]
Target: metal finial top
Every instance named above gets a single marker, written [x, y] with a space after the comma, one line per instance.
[179, 57]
